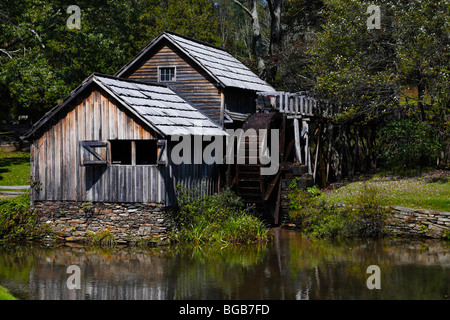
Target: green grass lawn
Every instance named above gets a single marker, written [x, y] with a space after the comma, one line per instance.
[14, 168]
[5, 295]
[426, 191]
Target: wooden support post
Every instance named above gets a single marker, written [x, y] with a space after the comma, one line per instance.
[316, 157]
[280, 98]
[133, 153]
[286, 101]
[302, 104]
[222, 108]
[298, 152]
[291, 104]
[307, 151]
[32, 174]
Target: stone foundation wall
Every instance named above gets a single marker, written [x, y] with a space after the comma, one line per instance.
[419, 222]
[127, 222]
[406, 222]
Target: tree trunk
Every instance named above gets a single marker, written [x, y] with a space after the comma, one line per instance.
[257, 44]
[257, 39]
[275, 36]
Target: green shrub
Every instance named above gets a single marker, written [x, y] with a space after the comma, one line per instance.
[243, 228]
[368, 218]
[18, 222]
[407, 144]
[364, 217]
[103, 238]
[323, 221]
[218, 218]
[300, 200]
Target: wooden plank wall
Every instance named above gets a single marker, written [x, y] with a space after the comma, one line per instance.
[199, 179]
[192, 83]
[56, 160]
[57, 163]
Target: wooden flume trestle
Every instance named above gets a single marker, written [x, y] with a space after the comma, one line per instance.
[291, 114]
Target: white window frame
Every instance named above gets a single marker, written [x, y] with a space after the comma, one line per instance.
[174, 79]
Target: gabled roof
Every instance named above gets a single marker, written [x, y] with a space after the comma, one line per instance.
[218, 63]
[156, 105]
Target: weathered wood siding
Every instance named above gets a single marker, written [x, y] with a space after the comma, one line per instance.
[59, 175]
[57, 160]
[199, 179]
[192, 83]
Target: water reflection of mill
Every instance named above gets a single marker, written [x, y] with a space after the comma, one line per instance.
[290, 267]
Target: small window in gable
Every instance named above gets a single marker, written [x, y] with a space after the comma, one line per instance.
[167, 74]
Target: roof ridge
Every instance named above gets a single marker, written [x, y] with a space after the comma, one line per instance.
[195, 40]
[129, 80]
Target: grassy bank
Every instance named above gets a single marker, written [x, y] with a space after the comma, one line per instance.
[363, 217]
[14, 168]
[18, 222]
[220, 218]
[5, 295]
[318, 214]
[430, 190]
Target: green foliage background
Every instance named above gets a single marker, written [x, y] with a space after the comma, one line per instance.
[326, 49]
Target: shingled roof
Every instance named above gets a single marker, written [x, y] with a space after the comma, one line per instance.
[218, 63]
[156, 105]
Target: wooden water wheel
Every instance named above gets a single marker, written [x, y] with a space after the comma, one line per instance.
[254, 188]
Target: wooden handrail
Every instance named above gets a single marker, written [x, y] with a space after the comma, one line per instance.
[299, 104]
[14, 187]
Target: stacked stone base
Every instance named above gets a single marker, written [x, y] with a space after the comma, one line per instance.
[419, 222]
[126, 222]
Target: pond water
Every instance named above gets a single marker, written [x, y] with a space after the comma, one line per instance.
[289, 267]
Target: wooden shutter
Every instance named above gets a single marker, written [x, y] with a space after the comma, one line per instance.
[162, 152]
[94, 152]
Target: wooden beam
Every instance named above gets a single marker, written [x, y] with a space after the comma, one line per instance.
[271, 186]
[278, 205]
[298, 152]
[302, 104]
[280, 98]
[12, 192]
[286, 101]
[14, 187]
[307, 151]
[316, 157]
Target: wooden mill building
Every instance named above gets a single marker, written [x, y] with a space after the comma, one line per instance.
[109, 140]
[210, 78]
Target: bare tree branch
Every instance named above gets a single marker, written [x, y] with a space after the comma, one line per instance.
[8, 53]
[243, 7]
